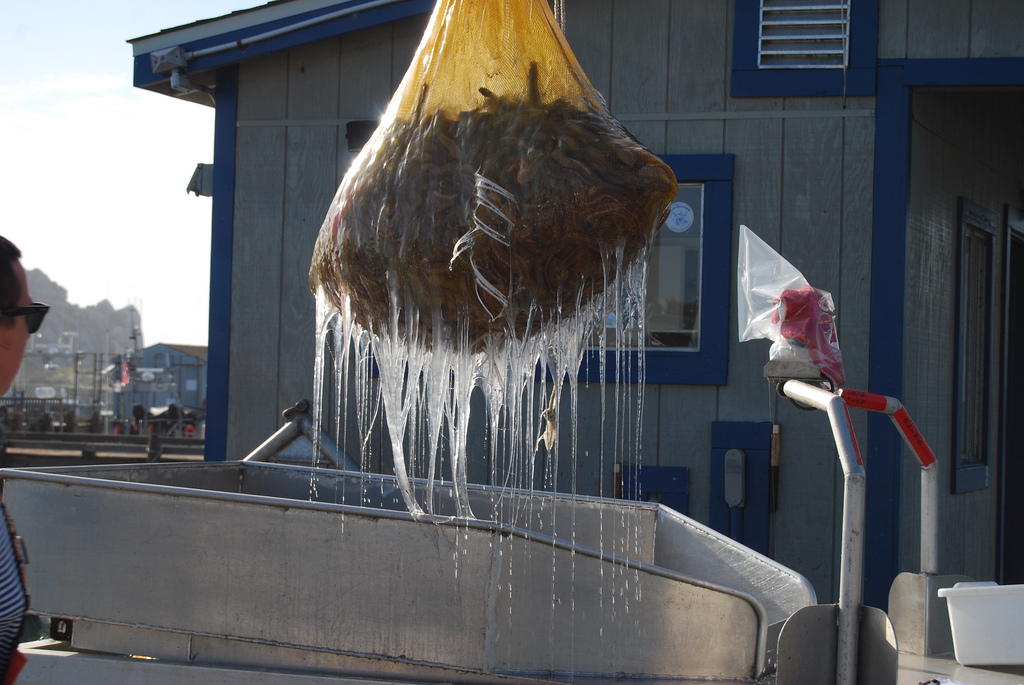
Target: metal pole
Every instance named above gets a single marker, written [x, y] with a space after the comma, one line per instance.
[75, 357]
[281, 438]
[852, 557]
[930, 520]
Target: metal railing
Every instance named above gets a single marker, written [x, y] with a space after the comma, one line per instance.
[851, 573]
[851, 570]
[89, 445]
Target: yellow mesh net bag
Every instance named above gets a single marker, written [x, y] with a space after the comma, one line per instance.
[497, 188]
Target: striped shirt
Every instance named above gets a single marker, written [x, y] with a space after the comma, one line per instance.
[13, 602]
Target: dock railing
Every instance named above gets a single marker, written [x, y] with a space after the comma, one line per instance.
[90, 445]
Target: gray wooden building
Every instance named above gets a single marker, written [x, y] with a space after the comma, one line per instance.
[878, 147]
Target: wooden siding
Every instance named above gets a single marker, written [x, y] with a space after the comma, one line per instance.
[802, 181]
[291, 154]
[915, 29]
[965, 145]
[256, 274]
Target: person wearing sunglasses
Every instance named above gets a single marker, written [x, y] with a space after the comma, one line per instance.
[19, 318]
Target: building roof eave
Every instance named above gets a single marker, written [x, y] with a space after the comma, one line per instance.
[204, 46]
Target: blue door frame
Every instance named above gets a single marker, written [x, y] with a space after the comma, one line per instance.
[221, 234]
[896, 79]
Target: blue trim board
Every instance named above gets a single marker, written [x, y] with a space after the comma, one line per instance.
[700, 168]
[885, 364]
[223, 219]
[747, 80]
[995, 71]
[144, 75]
[710, 364]
[669, 485]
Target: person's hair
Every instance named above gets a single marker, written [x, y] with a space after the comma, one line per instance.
[10, 287]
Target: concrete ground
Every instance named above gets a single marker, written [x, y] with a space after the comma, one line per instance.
[52, 663]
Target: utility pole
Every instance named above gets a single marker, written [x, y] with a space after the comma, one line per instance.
[77, 360]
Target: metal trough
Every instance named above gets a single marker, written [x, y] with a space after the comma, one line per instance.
[287, 566]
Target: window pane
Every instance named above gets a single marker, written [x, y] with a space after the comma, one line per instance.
[977, 260]
[674, 277]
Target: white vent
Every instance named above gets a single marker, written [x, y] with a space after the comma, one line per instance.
[804, 34]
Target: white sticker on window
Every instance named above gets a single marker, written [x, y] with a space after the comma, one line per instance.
[680, 217]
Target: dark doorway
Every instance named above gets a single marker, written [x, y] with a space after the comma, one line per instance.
[1012, 485]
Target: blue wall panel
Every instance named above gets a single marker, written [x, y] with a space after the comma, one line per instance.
[669, 485]
[754, 439]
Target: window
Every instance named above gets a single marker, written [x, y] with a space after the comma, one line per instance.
[972, 434]
[804, 47]
[804, 34]
[688, 283]
[673, 278]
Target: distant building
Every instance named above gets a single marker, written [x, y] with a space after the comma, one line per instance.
[160, 375]
[186, 367]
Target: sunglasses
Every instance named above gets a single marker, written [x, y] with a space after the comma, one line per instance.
[33, 314]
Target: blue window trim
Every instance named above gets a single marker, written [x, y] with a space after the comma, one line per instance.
[747, 80]
[143, 71]
[222, 228]
[710, 364]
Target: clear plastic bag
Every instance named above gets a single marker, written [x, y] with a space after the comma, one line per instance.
[497, 188]
[776, 302]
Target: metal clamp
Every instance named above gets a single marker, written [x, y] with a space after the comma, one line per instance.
[301, 423]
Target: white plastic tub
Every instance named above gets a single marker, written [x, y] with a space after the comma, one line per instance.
[987, 621]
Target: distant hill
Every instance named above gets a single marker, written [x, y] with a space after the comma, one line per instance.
[99, 328]
[96, 333]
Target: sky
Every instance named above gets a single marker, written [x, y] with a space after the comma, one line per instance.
[93, 171]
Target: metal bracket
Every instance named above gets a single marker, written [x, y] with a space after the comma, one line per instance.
[787, 369]
[301, 423]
